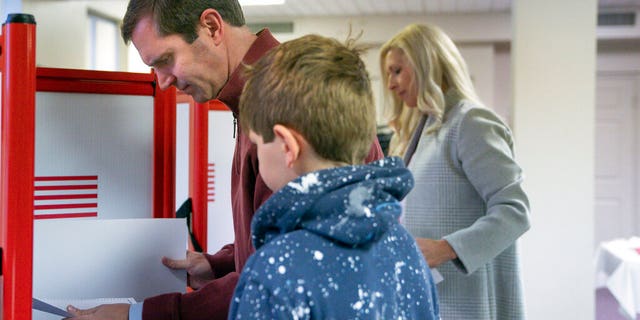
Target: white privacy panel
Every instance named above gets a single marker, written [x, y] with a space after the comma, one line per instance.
[221, 146]
[182, 153]
[116, 258]
[94, 156]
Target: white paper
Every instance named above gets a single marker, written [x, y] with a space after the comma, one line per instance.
[436, 275]
[39, 305]
[82, 304]
[88, 259]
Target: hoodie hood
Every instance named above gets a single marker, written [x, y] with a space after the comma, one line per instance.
[352, 205]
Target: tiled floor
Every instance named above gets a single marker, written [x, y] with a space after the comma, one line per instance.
[607, 307]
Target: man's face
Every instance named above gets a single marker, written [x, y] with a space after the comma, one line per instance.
[199, 69]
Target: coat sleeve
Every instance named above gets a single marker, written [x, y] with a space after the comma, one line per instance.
[484, 151]
[222, 262]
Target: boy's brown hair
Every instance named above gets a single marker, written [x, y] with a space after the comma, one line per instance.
[318, 87]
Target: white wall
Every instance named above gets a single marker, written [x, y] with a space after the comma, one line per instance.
[480, 59]
[378, 29]
[554, 121]
[61, 38]
[502, 85]
[9, 6]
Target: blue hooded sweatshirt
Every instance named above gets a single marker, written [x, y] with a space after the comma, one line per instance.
[329, 246]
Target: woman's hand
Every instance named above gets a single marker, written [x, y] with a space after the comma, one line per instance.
[436, 252]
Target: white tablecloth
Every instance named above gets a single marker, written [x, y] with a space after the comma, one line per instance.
[618, 269]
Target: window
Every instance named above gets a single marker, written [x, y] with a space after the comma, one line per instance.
[103, 44]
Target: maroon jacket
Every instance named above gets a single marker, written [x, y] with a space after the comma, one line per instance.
[248, 192]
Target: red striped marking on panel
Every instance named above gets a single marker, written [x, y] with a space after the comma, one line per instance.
[57, 197]
[211, 182]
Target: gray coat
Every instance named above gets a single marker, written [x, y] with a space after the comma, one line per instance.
[468, 191]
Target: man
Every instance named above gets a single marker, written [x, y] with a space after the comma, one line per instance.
[199, 46]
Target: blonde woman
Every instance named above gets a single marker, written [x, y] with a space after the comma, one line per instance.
[468, 207]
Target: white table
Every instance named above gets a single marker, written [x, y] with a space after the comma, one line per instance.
[618, 269]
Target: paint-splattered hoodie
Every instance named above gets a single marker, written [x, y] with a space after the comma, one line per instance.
[329, 246]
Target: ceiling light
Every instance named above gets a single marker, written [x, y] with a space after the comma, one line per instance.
[261, 2]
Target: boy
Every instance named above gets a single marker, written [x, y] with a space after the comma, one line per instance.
[328, 241]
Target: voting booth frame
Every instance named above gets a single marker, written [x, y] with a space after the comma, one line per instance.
[21, 79]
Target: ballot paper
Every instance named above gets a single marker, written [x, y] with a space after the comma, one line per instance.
[436, 275]
[92, 259]
[56, 309]
[48, 308]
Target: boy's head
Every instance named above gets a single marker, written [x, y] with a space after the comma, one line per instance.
[317, 88]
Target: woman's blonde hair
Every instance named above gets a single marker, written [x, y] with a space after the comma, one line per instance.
[438, 66]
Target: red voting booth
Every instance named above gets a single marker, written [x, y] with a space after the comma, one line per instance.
[21, 82]
[206, 174]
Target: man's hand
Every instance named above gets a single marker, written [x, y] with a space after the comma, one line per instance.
[198, 268]
[436, 252]
[118, 311]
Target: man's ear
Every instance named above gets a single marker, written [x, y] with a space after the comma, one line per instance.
[211, 20]
[291, 143]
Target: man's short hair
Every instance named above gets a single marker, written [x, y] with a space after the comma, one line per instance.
[318, 87]
[178, 17]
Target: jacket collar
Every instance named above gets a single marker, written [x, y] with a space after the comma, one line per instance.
[230, 93]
